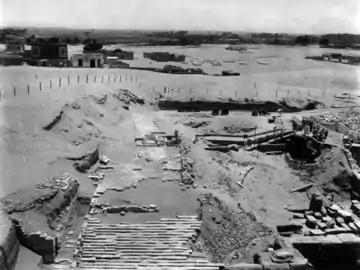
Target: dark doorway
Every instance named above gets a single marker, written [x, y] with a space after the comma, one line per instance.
[80, 62]
[98, 63]
[92, 63]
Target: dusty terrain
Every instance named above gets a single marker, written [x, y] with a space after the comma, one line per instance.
[46, 130]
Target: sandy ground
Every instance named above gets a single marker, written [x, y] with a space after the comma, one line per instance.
[29, 154]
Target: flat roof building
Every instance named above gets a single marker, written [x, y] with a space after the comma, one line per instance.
[88, 60]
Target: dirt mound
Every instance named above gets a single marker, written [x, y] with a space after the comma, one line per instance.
[85, 162]
[296, 104]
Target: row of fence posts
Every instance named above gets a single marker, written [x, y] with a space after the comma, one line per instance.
[132, 78]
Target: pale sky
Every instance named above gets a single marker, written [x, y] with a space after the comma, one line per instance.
[296, 16]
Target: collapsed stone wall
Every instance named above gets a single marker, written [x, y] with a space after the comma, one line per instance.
[9, 244]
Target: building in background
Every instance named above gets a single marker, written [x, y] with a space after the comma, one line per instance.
[119, 53]
[88, 60]
[49, 48]
[15, 44]
[164, 56]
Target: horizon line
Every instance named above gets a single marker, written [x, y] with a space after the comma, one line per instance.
[168, 30]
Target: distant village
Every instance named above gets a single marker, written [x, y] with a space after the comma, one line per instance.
[52, 51]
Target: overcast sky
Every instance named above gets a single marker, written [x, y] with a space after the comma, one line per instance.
[305, 16]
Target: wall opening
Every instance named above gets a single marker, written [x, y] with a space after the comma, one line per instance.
[92, 63]
[80, 62]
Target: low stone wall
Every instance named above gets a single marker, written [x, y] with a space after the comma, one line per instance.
[9, 244]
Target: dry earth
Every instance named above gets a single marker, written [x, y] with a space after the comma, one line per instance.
[43, 130]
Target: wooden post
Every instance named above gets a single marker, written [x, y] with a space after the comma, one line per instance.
[154, 89]
[179, 90]
[78, 78]
[120, 78]
[109, 79]
[68, 80]
[59, 82]
[14, 90]
[131, 78]
[206, 91]
[257, 93]
[28, 89]
[95, 78]
[87, 78]
[50, 84]
[102, 79]
[164, 89]
[235, 93]
[115, 78]
[40, 86]
[288, 92]
[190, 90]
[276, 93]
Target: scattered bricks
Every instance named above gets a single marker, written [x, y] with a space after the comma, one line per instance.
[356, 208]
[323, 211]
[339, 221]
[309, 213]
[346, 215]
[298, 216]
[353, 227]
[311, 222]
[331, 213]
[317, 215]
[326, 219]
[322, 226]
[357, 224]
[316, 232]
[335, 231]
[354, 202]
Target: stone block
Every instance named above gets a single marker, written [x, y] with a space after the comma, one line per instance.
[311, 222]
[318, 215]
[316, 232]
[349, 238]
[244, 266]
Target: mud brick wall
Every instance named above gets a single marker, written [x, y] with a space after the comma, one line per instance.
[9, 245]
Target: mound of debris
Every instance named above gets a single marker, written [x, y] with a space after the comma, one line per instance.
[128, 97]
[186, 171]
[347, 124]
[231, 231]
[236, 129]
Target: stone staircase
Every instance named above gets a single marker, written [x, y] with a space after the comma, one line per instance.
[162, 244]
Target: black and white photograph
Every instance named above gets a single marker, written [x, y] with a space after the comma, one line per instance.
[179, 135]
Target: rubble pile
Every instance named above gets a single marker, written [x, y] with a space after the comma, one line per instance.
[186, 171]
[236, 129]
[235, 231]
[347, 125]
[196, 124]
[122, 209]
[128, 97]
